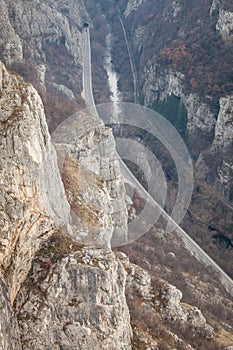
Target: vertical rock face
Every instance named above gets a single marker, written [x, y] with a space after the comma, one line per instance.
[214, 132]
[10, 44]
[32, 196]
[44, 33]
[78, 303]
[9, 334]
[225, 24]
[73, 297]
[97, 195]
[224, 125]
[159, 85]
[223, 141]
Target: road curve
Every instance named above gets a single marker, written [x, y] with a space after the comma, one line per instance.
[189, 243]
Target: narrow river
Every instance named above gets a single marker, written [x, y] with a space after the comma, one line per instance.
[115, 94]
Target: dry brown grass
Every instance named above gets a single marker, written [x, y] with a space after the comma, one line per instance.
[58, 246]
[224, 338]
[76, 179]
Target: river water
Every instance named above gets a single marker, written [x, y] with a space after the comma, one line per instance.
[113, 77]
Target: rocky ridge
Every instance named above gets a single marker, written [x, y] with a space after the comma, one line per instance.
[55, 30]
[77, 303]
[87, 146]
[91, 261]
[160, 303]
[160, 81]
[34, 209]
[32, 195]
[225, 24]
[213, 131]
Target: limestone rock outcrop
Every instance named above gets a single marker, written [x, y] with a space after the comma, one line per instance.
[63, 294]
[185, 315]
[10, 43]
[97, 196]
[164, 300]
[159, 85]
[224, 125]
[32, 200]
[77, 303]
[45, 33]
[225, 24]
[132, 5]
[9, 332]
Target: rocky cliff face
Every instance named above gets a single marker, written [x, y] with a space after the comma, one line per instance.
[35, 211]
[32, 196]
[224, 127]
[213, 132]
[77, 303]
[54, 29]
[225, 24]
[9, 332]
[164, 77]
[55, 293]
[159, 85]
[11, 47]
[223, 141]
[42, 41]
[99, 210]
[132, 5]
[225, 18]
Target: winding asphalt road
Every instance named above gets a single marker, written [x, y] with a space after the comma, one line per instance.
[189, 243]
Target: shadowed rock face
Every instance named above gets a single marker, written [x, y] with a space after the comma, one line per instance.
[11, 47]
[9, 334]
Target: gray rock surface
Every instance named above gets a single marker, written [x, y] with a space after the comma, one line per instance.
[186, 316]
[45, 33]
[224, 125]
[77, 303]
[10, 43]
[76, 300]
[167, 298]
[32, 199]
[212, 130]
[132, 5]
[158, 85]
[225, 24]
[9, 332]
[84, 142]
